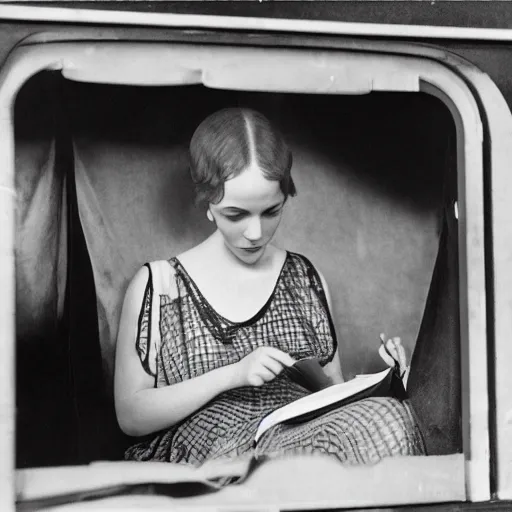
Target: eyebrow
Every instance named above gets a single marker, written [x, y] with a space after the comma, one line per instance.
[235, 209]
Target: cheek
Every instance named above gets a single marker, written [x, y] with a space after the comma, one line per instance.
[271, 224]
[231, 231]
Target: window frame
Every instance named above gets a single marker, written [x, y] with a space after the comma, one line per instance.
[465, 107]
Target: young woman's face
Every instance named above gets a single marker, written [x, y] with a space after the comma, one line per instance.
[249, 214]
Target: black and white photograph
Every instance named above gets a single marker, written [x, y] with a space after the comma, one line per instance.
[256, 256]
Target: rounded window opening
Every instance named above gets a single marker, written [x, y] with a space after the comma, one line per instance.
[102, 175]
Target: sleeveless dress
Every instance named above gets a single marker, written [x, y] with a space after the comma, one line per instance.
[180, 336]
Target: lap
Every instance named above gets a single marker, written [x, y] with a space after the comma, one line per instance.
[362, 432]
[359, 433]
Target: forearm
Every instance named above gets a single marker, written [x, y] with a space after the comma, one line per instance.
[154, 409]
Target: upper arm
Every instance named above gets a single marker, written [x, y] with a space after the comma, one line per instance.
[326, 289]
[333, 369]
[129, 374]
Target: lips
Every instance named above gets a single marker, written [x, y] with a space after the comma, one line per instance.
[251, 249]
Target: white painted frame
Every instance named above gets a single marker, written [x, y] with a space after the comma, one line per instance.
[430, 77]
[283, 25]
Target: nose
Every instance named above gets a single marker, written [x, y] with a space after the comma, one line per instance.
[253, 230]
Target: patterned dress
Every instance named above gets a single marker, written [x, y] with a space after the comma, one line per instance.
[181, 336]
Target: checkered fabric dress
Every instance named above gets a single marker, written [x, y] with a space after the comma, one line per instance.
[181, 336]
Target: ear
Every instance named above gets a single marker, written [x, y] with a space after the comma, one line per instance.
[209, 215]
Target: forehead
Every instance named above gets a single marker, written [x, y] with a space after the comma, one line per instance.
[250, 189]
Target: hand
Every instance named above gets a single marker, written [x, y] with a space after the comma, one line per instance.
[395, 348]
[260, 366]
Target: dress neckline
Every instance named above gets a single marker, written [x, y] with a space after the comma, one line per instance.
[226, 321]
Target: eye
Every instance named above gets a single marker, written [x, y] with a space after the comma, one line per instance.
[235, 218]
[272, 213]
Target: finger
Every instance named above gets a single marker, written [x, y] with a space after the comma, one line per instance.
[265, 373]
[255, 380]
[280, 356]
[397, 352]
[390, 345]
[387, 343]
[385, 356]
[400, 353]
[402, 358]
[275, 366]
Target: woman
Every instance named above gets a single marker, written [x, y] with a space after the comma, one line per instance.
[204, 336]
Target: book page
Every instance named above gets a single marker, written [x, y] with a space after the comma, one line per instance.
[318, 400]
[309, 374]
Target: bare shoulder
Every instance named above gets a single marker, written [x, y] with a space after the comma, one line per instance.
[195, 258]
[186, 255]
[139, 280]
[156, 274]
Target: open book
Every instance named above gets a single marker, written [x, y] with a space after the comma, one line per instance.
[326, 396]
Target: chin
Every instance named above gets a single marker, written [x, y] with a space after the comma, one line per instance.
[249, 258]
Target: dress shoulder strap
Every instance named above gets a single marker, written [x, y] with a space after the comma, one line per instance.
[313, 278]
[314, 283]
[164, 278]
[161, 281]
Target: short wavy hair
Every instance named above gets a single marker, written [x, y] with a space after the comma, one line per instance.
[228, 142]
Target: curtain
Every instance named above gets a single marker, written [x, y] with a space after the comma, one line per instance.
[434, 384]
[44, 424]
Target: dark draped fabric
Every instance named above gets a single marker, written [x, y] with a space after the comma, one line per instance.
[97, 434]
[44, 415]
[64, 415]
[434, 384]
